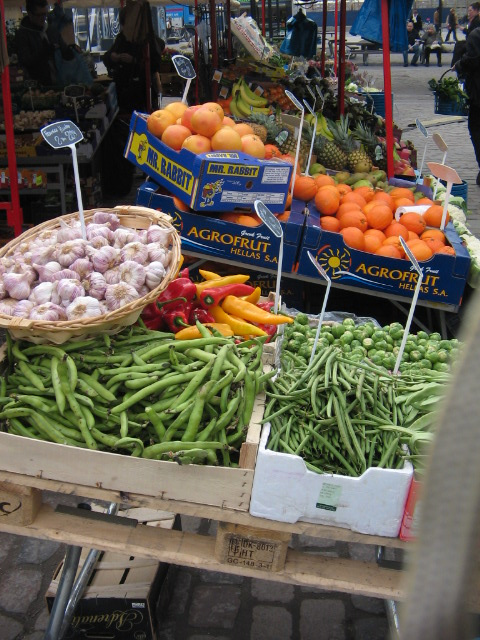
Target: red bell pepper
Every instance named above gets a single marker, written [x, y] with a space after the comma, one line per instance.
[153, 311]
[180, 287]
[199, 313]
[176, 319]
[266, 305]
[212, 296]
[270, 329]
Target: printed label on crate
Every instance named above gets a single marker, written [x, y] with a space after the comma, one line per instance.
[248, 552]
[329, 497]
[249, 197]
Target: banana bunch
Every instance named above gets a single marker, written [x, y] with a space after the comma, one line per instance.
[245, 101]
[322, 126]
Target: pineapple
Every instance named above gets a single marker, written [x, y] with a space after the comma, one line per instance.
[282, 135]
[329, 154]
[259, 130]
[376, 149]
[357, 160]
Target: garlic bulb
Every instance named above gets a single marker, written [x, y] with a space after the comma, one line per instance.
[142, 236]
[68, 290]
[95, 285]
[104, 258]
[132, 273]
[17, 285]
[49, 236]
[47, 271]
[154, 274]
[82, 266]
[65, 273]
[67, 233]
[42, 293]
[23, 308]
[158, 234]
[123, 236]
[95, 230]
[112, 276]
[134, 251]
[49, 312]
[143, 291]
[3, 291]
[83, 307]
[7, 307]
[25, 270]
[41, 254]
[68, 252]
[110, 219]
[118, 295]
[98, 242]
[158, 253]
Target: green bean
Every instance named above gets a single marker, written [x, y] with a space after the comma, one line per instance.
[75, 407]
[197, 412]
[71, 372]
[22, 430]
[178, 445]
[97, 386]
[139, 383]
[59, 395]
[157, 423]
[32, 377]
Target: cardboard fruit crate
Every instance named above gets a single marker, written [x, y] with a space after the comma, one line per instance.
[285, 490]
[213, 181]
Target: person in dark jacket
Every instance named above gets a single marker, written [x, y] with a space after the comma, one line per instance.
[432, 42]
[416, 18]
[473, 18]
[34, 44]
[469, 67]
[452, 24]
[413, 45]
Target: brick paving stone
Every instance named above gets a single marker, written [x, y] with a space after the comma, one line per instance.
[41, 622]
[10, 627]
[370, 605]
[166, 630]
[322, 620]
[19, 588]
[181, 592]
[301, 540]
[271, 623]
[218, 576]
[214, 606]
[371, 629]
[7, 542]
[272, 591]
[35, 551]
[35, 635]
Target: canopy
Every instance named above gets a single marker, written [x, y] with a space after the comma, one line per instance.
[107, 4]
[368, 23]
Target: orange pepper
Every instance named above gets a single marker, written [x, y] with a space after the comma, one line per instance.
[240, 327]
[219, 282]
[254, 297]
[251, 312]
[193, 332]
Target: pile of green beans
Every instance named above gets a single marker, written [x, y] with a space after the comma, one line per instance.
[343, 416]
[139, 392]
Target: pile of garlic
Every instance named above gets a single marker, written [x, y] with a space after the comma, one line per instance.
[59, 276]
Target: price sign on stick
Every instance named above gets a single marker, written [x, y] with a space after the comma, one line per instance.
[31, 84]
[324, 275]
[313, 96]
[448, 175]
[424, 132]
[66, 134]
[266, 216]
[413, 304]
[313, 135]
[184, 68]
[299, 106]
[74, 91]
[442, 145]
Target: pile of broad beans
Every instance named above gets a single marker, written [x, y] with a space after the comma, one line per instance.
[139, 392]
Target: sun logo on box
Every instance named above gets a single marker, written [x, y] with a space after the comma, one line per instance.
[333, 260]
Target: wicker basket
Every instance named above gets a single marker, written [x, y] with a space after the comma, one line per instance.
[449, 107]
[58, 332]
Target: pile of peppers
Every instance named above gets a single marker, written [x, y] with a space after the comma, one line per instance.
[225, 304]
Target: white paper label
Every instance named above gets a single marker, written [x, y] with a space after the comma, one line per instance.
[329, 496]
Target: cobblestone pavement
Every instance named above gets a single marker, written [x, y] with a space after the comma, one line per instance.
[224, 607]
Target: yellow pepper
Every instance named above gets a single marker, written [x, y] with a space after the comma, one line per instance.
[254, 297]
[240, 327]
[219, 282]
[251, 312]
[189, 333]
[208, 275]
[182, 260]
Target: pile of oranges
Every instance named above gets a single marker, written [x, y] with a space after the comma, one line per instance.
[366, 217]
[202, 128]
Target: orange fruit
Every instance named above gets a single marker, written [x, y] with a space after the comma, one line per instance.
[388, 251]
[354, 196]
[372, 243]
[214, 106]
[396, 229]
[354, 219]
[330, 223]
[394, 241]
[229, 122]
[249, 220]
[288, 201]
[159, 120]
[197, 143]
[272, 151]
[413, 236]
[402, 202]
[174, 136]
[242, 128]
[327, 200]
[433, 216]
[304, 188]
[433, 233]
[177, 108]
[226, 139]
[322, 180]
[376, 233]
[402, 192]
[384, 198]
[380, 216]
[347, 206]
[343, 188]
[253, 146]
[283, 217]
[353, 238]
[434, 244]
[450, 251]
[424, 201]
[413, 221]
[420, 249]
[366, 192]
[179, 205]
[206, 122]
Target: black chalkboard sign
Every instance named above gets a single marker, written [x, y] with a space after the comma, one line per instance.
[61, 134]
[74, 91]
[184, 67]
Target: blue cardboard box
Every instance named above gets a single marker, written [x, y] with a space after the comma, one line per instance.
[444, 276]
[205, 234]
[213, 181]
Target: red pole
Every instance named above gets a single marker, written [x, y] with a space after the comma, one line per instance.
[229, 31]
[341, 73]
[324, 36]
[14, 212]
[263, 18]
[213, 36]
[335, 39]
[197, 66]
[387, 83]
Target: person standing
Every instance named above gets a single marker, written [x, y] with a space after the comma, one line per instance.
[452, 24]
[413, 45]
[35, 46]
[436, 19]
[469, 67]
[473, 18]
[416, 18]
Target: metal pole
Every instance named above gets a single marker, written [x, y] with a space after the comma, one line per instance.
[324, 37]
[70, 567]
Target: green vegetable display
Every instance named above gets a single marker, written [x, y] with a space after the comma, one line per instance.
[140, 392]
